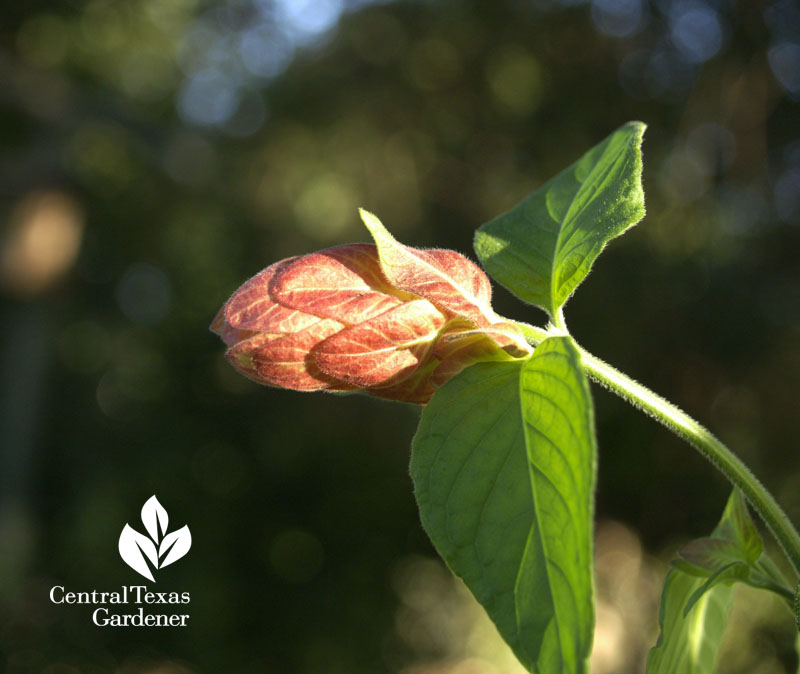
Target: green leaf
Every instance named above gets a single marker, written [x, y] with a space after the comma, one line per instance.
[737, 526]
[562, 455]
[545, 246]
[697, 593]
[471, 483]
[733, 553]
[733, 572]
[704, 557]
[503, 466]
[689, 644]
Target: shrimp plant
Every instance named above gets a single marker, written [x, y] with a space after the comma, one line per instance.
[504, 461]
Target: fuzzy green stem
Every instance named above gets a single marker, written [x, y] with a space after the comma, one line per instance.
[696, 435]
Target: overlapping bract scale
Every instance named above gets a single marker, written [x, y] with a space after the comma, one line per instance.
[343, 283]
[386, 348]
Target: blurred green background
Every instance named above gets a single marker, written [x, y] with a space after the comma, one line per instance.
[156, 153]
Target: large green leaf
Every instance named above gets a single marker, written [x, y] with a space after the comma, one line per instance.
[545, 246]
[503, 466]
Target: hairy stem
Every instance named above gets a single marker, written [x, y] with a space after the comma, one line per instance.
[696, 435]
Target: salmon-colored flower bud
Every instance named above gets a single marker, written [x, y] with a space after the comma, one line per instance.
[387, 319]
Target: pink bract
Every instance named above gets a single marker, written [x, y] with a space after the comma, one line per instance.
[384, 318]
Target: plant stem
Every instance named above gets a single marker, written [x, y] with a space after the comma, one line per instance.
[696, 435]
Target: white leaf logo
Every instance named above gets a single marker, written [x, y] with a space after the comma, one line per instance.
[160, 549]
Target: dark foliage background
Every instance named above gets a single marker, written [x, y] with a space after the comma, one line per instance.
[157, 153]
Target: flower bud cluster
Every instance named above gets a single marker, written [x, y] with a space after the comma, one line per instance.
[393, 321]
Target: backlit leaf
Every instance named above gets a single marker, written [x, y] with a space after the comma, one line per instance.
[731, 554]
[444, 277]
[689, 644]
[487, 443]
[559, 431]
[545, 246]
[694, 610]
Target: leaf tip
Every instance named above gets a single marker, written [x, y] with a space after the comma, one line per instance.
[638, 126]
[370, 220]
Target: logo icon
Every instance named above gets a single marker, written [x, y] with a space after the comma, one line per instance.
[160, 549]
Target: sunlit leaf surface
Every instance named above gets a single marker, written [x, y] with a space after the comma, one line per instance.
[503, 466]
[545, 246]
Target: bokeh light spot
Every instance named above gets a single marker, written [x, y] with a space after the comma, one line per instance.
[147, 75]
[515, 80]
[265, 51]
[696, 31]
[43, 40]
[326, 207]
[306, 19]
[207, 98]
[618, 18]
[715, 143]
[684, 176]
[41, 242]
[144, 294]
[784, 59]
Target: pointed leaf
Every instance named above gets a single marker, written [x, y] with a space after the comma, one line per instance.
[175, 545]
[444, 277]
[154, 518]
[735, 539]
[545, 246]
[227, 332]
[689, 645]
[737, 526]
[731, 553]
[479, 489]
[343, 283]
[383, 349]
[134, 547]
[705, 556]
